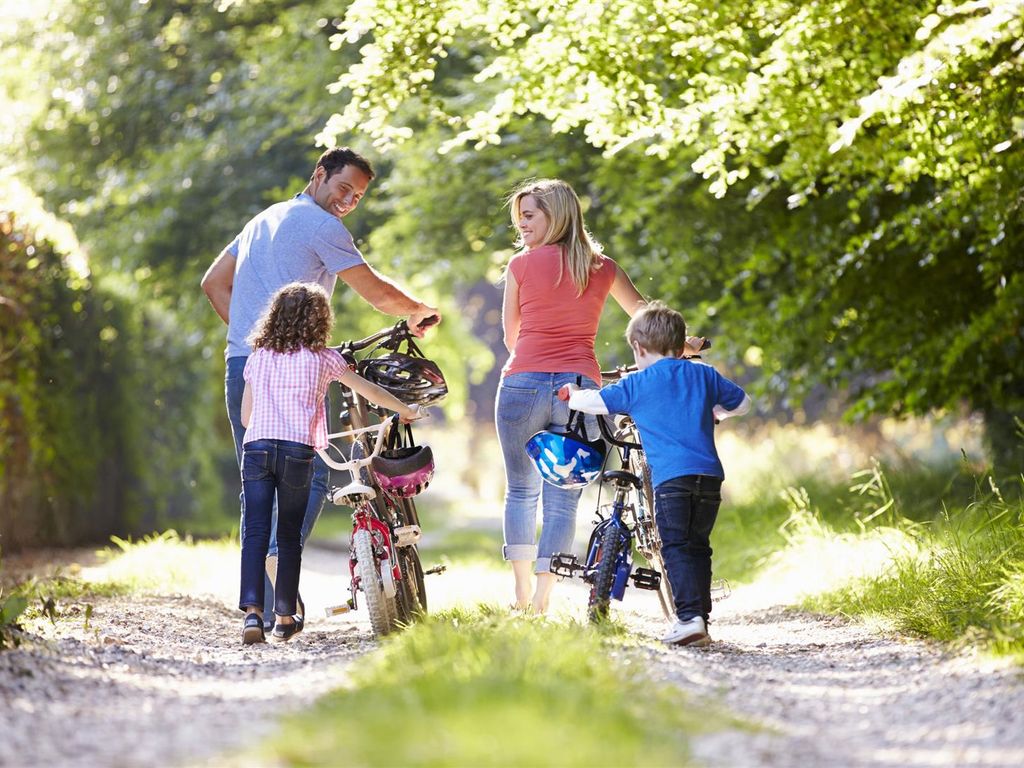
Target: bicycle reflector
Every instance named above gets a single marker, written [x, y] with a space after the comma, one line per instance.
[567, 459]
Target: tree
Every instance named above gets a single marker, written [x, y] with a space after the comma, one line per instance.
[868, 153]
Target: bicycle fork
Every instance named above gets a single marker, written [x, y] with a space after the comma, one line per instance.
[384, 554]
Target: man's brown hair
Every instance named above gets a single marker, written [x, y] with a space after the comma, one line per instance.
[333, 160]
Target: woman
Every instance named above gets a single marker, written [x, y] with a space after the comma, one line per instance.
[555, 289]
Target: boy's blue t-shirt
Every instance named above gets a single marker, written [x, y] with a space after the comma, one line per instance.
[671, 403]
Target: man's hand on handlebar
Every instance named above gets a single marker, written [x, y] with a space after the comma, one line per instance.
[422, 319]
[695, 345]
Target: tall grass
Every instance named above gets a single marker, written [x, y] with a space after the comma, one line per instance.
[482, 688]
[965, 584]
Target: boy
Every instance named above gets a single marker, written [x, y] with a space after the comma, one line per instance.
[675, 404]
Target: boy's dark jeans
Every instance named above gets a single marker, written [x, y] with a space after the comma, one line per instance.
[283, 469]
[685, 509]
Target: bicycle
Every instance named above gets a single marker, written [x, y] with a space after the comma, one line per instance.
[628, 519]
[384, 561]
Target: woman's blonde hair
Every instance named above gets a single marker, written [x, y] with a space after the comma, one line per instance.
[299, 316]
[562, 208]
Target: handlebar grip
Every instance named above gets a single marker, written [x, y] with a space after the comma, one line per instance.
[563, 393]
[426, 322]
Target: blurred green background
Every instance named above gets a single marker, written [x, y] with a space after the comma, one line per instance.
[831, 190]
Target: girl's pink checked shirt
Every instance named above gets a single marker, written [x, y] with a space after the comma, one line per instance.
[288, 391]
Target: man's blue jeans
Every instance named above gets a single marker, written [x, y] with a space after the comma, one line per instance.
[234, 385]
[526, 404]
[686, 508]
[274, 472]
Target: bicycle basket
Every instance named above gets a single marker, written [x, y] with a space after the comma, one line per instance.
[403, 469]
[567, 458]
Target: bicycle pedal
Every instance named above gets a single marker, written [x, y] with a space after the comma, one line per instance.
[720, 590]
[565, 565]
[435, 569]
[337, 610]
[646, 578]
[406, 535]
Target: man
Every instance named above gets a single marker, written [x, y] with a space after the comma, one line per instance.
[302, 239]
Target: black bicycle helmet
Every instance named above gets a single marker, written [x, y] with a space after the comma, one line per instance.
[409, 376]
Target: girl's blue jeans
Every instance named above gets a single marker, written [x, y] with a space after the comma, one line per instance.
[274, 470]
[686, 508]
[527, 403]
[234, 385]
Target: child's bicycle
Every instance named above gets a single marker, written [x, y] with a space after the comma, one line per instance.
[387, 471]
[627, 520]
[630, 516]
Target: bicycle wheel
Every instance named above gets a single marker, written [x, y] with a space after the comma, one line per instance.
[649, 537]
[369, 579]
[612, 542]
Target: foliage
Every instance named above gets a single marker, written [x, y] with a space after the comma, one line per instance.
[483, 688]
[11, 607]
[92, 396]
[872, 151]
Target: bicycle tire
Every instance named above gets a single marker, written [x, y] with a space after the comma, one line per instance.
[369, 579]
[612, 540]
[411, 598]
[654, 556]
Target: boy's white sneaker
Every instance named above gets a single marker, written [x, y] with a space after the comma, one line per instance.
[693, 632]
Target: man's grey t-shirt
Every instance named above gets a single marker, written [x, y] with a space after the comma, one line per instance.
[293, 241]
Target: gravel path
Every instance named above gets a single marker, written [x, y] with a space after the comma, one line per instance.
[142, 685]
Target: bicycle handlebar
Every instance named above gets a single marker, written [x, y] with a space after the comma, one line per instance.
[353, 464]
[394, 335]
[603, 426]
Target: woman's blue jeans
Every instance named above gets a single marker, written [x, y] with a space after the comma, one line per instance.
[686, 508]
[527, 403]
[274, 470]
[234, 385]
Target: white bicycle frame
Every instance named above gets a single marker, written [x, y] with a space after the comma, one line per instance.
[355, 464]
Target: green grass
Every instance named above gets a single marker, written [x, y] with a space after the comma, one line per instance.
[965, 586]
[162, 563]
[482, 688]
[933, 552]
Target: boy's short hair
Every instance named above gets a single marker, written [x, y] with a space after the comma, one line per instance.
[658, 328]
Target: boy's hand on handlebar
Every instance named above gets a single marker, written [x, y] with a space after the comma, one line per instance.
[695, 345]
[565, 391]
[413, 413]
[422, 319]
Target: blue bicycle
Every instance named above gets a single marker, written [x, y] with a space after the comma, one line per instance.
[629, 518]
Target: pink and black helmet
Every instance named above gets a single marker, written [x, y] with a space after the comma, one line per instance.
[404, 470]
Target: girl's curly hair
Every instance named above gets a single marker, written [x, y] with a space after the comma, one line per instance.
[300, 315]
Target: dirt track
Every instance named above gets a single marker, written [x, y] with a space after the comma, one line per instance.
[162, 680]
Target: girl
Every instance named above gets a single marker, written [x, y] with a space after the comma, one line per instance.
[555, 289]
[286, 379]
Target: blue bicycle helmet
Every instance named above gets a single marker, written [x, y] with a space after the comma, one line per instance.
[567, 459]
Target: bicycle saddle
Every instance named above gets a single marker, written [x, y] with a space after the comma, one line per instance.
[619, 477]
[352, 494]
